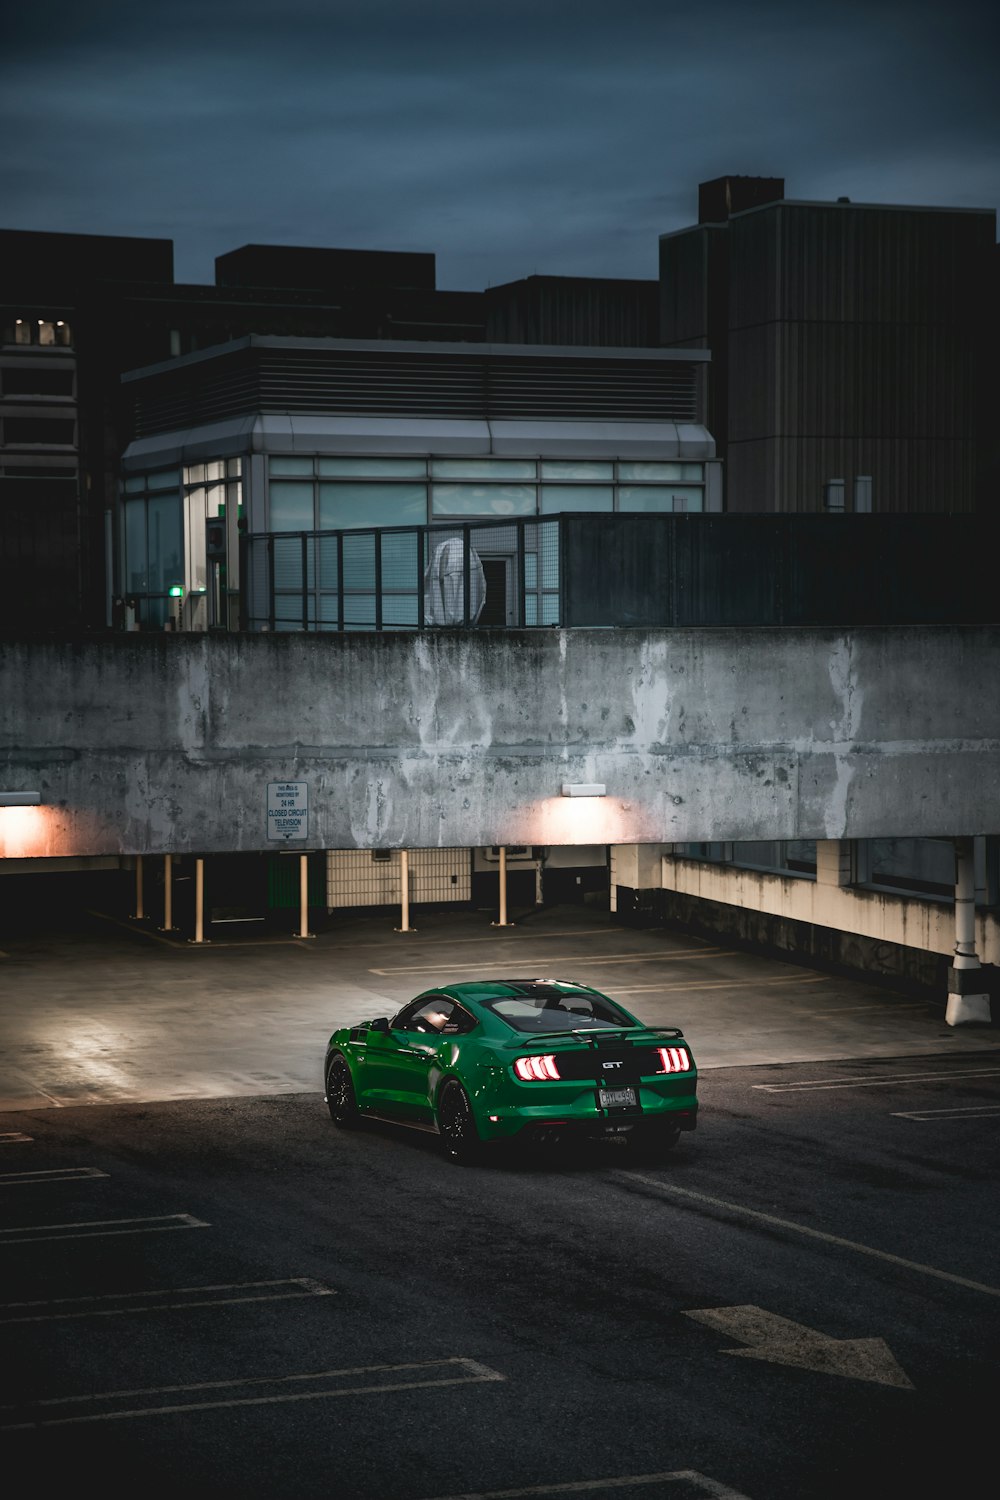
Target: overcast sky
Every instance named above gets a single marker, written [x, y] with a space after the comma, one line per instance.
[508, 136]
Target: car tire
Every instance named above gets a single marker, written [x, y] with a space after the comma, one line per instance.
[457, 1125]
[654, 1144]
[341, 1099]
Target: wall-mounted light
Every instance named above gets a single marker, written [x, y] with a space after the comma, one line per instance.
[20, 799]
[584, 789]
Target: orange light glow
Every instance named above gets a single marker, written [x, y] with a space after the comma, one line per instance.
[23, 832]
[579, 820]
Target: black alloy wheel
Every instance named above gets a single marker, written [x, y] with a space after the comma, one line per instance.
[457, 1125]
[340, 1096]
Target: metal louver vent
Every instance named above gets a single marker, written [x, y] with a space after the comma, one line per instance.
[365, 382]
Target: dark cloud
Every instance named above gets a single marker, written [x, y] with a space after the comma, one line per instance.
[556, 136]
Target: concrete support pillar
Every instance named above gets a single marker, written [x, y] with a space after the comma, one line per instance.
[168, 893]
[503, 890]
[967, 997]
[404, 891]
[304, 896]
[199, 900]
[834, 862]
[139, 909]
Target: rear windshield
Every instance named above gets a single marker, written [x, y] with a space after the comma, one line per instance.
[555, 1012]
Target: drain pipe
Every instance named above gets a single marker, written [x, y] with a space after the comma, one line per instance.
[968, 1000]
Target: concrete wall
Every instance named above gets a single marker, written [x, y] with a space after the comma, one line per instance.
[152, 744]
[885, 917]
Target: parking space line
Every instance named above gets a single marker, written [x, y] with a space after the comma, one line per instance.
[10, 1136]
[872, 1005]
[576, 958]
[689, 986]
[56, 1174]
[971, 1112]
[669, 1190]
[695, 1485]
[167, 1299]
[95, 1228]
[468, 1372]
[881, 1078]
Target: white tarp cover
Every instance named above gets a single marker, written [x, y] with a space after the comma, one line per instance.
[444, 585]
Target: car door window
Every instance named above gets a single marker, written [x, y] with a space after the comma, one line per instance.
[459, 1023]
[429, 1015]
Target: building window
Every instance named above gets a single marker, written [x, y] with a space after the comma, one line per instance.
[212, 490]
[776, 856]
[40, 432]
[922, 867]
[483, 499]
[371, 468]
[152, 544]
[332, 493]
[346, 505]
[48, 333]
[503, 469]
[25, 378]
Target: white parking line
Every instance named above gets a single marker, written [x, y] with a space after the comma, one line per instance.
[56, 1174]
[10, 1136]
[472, 1373]
[737, 984]
[872, 1005]
[576, 959]
[972, 1112]
[668, 1190]
[695, 1484]
[168, 1299]
[881, 1078]
[94, 1228]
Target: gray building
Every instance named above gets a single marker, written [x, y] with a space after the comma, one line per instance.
[849, 348]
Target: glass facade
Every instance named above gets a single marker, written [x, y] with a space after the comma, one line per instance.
[376, 491]
[163, 543]
[165, 513]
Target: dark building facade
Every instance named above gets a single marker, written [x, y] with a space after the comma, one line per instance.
[78, 311]
[849, 347]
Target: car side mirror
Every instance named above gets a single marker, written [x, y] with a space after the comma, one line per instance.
[381, 1023]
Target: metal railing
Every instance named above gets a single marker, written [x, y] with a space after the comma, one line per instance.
[627, 570]
[483, 574]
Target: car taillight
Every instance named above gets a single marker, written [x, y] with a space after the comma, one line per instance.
[535, 1069]
[673, 1060]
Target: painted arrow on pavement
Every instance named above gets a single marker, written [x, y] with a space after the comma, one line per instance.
[786, 1343]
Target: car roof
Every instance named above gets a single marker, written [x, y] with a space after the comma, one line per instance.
[492, 989]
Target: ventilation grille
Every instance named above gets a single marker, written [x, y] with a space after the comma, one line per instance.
[369, 383]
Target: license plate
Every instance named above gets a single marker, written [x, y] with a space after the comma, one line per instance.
[616, 1098]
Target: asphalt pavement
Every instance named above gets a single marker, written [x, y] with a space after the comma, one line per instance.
[96, 1008]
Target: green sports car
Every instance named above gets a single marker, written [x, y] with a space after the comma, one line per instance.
[512, 1060]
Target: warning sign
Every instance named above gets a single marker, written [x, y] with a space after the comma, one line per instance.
[287, 809]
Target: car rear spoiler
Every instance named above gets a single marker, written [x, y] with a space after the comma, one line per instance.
[589, 1033]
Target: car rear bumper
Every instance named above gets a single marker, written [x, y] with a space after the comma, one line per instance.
[552, 1121]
